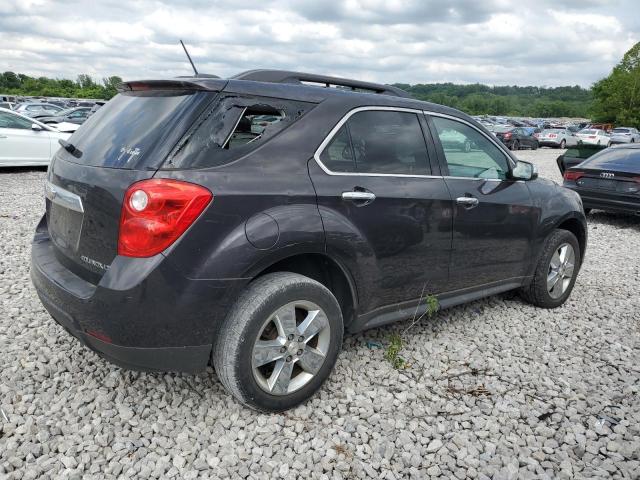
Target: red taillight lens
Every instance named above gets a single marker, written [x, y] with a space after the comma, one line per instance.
[156, 212]
[507, 135]
[572, 175]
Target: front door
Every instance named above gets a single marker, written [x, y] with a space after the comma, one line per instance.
[378, 199]
[494, 216]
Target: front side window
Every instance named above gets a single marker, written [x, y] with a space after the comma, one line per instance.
[468, 153]
[378, 141]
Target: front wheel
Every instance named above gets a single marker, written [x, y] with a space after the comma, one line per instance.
[556, 271]
[279, 342]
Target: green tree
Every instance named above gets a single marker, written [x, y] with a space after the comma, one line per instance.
[617, 97]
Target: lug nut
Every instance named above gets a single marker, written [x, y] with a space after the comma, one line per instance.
[283, 349]
[301, 338]
[291, 336]
[299, 352]
[289, 358]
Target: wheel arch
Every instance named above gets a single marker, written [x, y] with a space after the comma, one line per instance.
[322, 268]
[577, 227]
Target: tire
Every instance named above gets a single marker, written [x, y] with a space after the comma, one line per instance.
[515, 145]
[537, 292]
[251, 316]
[587, 211]
[563, 143]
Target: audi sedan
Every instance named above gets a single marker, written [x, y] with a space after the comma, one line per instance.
[609, 180]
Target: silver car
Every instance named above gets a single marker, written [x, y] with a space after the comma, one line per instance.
[30, 109]
[625, 135]
[557, 137]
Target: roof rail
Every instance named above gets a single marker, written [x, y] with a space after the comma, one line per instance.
[284, 76]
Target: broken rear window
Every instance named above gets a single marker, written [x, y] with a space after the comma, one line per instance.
[235, 126]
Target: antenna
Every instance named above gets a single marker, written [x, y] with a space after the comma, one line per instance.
[189, 57]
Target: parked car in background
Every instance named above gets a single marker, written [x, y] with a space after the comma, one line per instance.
[557, 138]
[30, 109]
[516, 138]
[8, 105]
[255, 249]
[609, 180]
[26, 141]
[576, 155]
[624, 135]
[594, 136]
[76, 115]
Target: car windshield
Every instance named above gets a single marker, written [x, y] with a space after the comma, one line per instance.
[620, 130]
[589, 132]
[503, 129]
[65, 112]
[623, 159]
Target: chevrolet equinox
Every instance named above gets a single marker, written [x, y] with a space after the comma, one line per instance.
[249, 222]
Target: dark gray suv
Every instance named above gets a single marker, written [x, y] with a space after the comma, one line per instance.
[249, 222]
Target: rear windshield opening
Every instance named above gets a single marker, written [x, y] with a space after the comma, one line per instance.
[252, 124]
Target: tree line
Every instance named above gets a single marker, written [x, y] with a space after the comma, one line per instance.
[614, 99]
[83, 87]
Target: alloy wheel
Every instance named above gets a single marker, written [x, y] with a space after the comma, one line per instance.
[291, 347]
[561, 270]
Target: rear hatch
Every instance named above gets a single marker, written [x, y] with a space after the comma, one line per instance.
[125, 141]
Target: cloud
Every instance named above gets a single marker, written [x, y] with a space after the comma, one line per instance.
[495, 41]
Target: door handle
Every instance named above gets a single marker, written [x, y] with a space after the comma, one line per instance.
[467, 202]
[359, 196]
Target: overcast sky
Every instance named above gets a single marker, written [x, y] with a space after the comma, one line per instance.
[499, 42]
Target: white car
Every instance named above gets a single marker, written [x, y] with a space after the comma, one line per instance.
[25, 141]
[594, 136]
[557, 137]
[625, 135]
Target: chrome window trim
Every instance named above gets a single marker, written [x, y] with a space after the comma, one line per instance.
[63, 197]
[500, 146]
[344, 120]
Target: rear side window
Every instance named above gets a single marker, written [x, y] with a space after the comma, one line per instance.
[233, 127]
[378, 141]
[137, 130]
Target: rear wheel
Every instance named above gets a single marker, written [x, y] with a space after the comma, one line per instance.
[563, 143]
[556, 271]
[515, 145]
[279, 342]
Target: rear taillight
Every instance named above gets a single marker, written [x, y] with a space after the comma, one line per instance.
[573, 175]
[592, 136]
[156, 212]
[507, 135]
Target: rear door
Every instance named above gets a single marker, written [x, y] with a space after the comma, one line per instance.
[493, 216]
[19, 144]
[386, 211]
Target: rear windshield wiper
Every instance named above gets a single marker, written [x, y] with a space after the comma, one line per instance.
[70, 147]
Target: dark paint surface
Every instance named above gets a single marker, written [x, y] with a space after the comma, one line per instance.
[274, 203]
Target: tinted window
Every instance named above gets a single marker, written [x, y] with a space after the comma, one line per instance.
[338, 155]
[380, 142]
[13, 121]
[137, 129]
[469, 153]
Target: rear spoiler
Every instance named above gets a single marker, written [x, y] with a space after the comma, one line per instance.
[203, 84]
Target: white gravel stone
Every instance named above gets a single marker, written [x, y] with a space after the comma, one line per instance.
[563, 387]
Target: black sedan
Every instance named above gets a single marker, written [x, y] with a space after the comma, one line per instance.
[76, 115]
[609, 180]
[517, 138]
[576, 155]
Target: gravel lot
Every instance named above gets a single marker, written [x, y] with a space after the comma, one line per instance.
[495, 389]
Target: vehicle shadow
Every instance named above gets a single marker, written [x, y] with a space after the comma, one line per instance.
[26, 169]
[620, 220]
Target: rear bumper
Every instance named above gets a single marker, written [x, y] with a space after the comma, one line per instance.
[611, 204]
[549, 143]
[148, 317]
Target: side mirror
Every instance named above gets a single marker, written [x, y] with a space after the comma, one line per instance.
[35, 127]
[524, 171]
